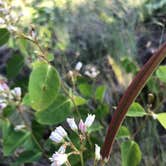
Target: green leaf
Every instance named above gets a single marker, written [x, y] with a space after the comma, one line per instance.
[162, 119]
[43, 86]
[55, 113]
[102, 111]
[129, 65]
[100, 92]
[4, 36]
[85, 89]
[78, 100]
[130, 153]
[12, 139]
[28, 157]
[123, 132]
[26, 100]
[136, 110]
[14, 65]
[161, 73]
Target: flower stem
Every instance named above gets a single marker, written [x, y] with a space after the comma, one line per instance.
[81, 158]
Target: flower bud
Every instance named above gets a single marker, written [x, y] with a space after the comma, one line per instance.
[82, 126]
[89, 120]
[97, 152]
[78, 66]
[72, 124]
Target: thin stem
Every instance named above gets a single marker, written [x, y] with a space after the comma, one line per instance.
[71, 97]
[81, 158]
[43, 56]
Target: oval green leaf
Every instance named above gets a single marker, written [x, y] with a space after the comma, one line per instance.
[130, 153]
[43, 86]
[55, 113]
[162, 119]
[4, 36]
[136, 110]
[161, 73]
[123, 132]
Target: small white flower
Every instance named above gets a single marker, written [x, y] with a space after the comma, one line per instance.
[16, 92]
[62, 149]
[2, 21]
[3, 87]
[4, 11]
[56, 137]
[78, 66]
[19, 127]
[2, 105]
[97, 152]
[72, 124]
[82, 126]
[58, 159]
[154, 116]
[61, 131]
[89, 120]
[58, 134]
[12, 28]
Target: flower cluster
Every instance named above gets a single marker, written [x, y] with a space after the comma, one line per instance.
[8, 96]
[8, 16]
[91, 71]
[59, 135]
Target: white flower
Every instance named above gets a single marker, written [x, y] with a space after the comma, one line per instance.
[16, 92]
[58, 159]
[60, 130]
[82, 126]
[58, 134]
[78, 66]
[97, 152]
[2, 21]
[154, 116]
[72, 124]
[12, 28]
[56, 137]
[91, 71]
[89, 120]
[19, 127]
[3, 86]
[2, 105]
[62, 149]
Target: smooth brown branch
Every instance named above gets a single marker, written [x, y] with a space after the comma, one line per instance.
[129, 96]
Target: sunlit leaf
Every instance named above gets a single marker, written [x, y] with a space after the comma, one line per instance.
[123, 132]
[55, 113]
[44, 84]
[136, 110]
[162, 119]
[130, 153]
[161, 73]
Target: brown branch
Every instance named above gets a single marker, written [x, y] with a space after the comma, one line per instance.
[129, 96]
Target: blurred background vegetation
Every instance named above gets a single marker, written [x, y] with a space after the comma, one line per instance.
[115, 36]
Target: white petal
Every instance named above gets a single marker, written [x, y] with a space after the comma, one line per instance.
[82, 126]
[56, 137]
[89, 120]
[72, 124]
[97, 152]
[58, 159]
[78, 66]
[61, 131]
